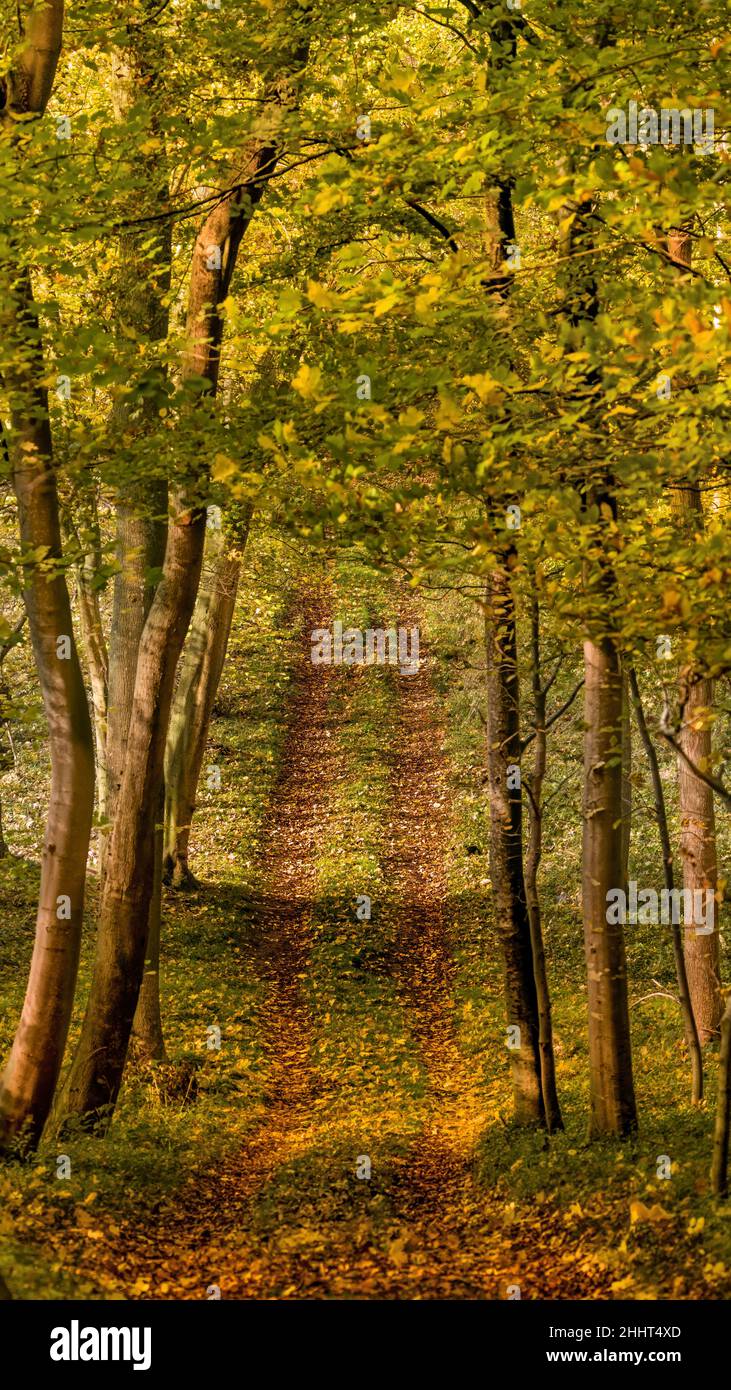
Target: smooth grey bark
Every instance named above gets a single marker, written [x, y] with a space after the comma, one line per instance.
[503, 730]
[697, 810]
[698, 820]
[719, 1163]
[626, 779]
[613, 1108]
[30, 1076]
[92, 1084]
[6, 756]
[534, 788]
[200, 674]
[686, 1005]
[506, 846]
[93, 641]
[147, 1026]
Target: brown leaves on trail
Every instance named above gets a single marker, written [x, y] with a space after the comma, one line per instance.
[286, 1216]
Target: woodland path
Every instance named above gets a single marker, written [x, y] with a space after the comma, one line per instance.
[422, 1227]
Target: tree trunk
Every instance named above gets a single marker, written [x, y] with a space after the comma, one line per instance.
[697, 812]
[503, 732]
[719, 1165]
[506, 845]
[92, 1084]
[140, 548]
[95, 650]
[200, 674]
[95, 1076]
[626, 780]
[147, 1025]
[532, 863]
[698, 822]
[141, 512]
[686, 1006]
[613, 1108]
[29, 1080]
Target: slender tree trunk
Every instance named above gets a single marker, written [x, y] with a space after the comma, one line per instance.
[503, 729]
[686, 1006]
[200, 674]
[29, 1079]
[93, 642]
[719, 1165]
[147, 1026]
[697, 812]
[613, 1108]
[141, 535]
[141, 511]
[95, 1076]
[532, 863]
[6, 759]
[698, 823]
[506, 846]
[92, 1085]
[626, 780]
[95, 650]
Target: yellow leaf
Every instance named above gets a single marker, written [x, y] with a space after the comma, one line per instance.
[423, 302]
[383, 306]
[484, 386]
[321, 297]
[223, 467]
[307, 381]
[449, 412]
[327, 199]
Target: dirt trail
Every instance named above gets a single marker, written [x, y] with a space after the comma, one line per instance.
[452, 1238]
[442, 1235]
[432, 1185]
[172, 1249]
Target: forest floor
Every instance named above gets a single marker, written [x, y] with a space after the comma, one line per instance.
[418, 1225]
[359, 1147]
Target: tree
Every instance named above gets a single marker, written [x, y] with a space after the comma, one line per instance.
[29, 1080]
[719, 1165]
[686, 1003]
[94, 1078]
[697, 815]
[534, 789]
[506, 845]
[200, 673]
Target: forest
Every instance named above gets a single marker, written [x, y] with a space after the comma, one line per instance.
[365, 650]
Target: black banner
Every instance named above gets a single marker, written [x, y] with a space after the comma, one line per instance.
[149, 1341]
